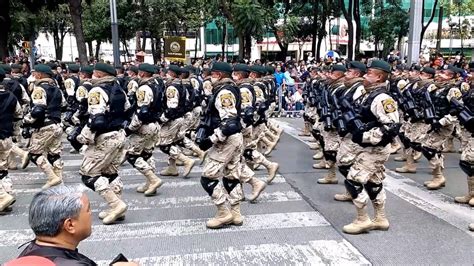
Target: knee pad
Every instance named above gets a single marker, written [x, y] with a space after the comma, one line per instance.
[3, 174]
[230, 184]
[344, 169]
[209, 184]
[110, 177]
[330, 155]
[316, 134]
[467, 167]
[146, 155]
[179, 143]
[132, 158]
[165, 149]
[89, 181]
[248, 154]
[53, 157]
[373, 189]
[353, 187]
[429, 153]
[34, 157]
[416, 146]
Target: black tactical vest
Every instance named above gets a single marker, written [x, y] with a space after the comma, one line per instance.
[7, 110]
[213, 117]
[54, 99]
[116, 115]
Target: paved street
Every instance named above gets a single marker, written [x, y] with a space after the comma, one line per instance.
[295, 220]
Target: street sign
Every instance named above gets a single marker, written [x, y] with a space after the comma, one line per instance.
[175, 48]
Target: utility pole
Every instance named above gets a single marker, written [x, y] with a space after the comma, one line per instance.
[416, 13]
[115, 37]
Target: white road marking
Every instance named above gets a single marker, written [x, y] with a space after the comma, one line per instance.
[184, 227]
[318, 252]
[434, 202]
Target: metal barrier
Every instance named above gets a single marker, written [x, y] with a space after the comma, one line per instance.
[281, 111]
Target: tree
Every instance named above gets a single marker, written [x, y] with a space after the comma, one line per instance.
[58, 24]
[425, 26]
[348, 14]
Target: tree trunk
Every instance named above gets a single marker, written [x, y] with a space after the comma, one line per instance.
[90, 49]
[97, 50]
[318, 48]
[125, 47]
[58, 48]
[248, 46]
[424, 27]
[242, 46]
[144, 43]
[350, 28]
[358, 29]
[75, 8]
[196, 43]
[440, 28]
[5, 28]
[224, 37]
[314, 29]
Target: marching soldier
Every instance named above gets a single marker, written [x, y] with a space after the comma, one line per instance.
[45, 120]
[376, 129]
[10, 110]
[171, 121]
[104, 137]
[144, 129]
[221, 133]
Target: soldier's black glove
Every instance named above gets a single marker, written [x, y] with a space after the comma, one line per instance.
[26, 132]
[72, 138]
[205, 144]
[357, 137]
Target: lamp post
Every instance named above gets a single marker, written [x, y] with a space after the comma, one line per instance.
[114, 26]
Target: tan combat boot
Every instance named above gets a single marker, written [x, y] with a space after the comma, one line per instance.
[330, 178]
[257, 187]
[469, 198]
[361, 224]
[171, 169]
[318, 155]
[188, 152]
[6, 200]
[188, 164]
[471, 227]
[24, 158]
[272, 168]
[313, 146]
[379, 222]
[278, 131]
[117, 189]
[153, 181]
[321, 165]
[438, 180]
[409, 167]
[417, 156]
[346, 196]
[200, 153]
[270, 145]
[223, 217]
[306, 130]
[117, 206]
[143, 188]
[11, 162]
[53, 179]
[237, 218]
[449, 146]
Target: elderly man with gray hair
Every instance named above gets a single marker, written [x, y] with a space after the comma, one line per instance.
[61, 218]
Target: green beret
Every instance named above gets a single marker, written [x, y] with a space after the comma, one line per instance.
[145, 67]
[133, 69]
[428, 70]
[109, 69]
[16, 66]
[189, 68]
[380, 65]
[341, 68]
[357, 65]
[454, 69]
[87, 69]
[174, 68]
[415, 68]
[44, 69]
[7, 68]
[241, 68]
[52, 65]
[270, 70]
[73, 68]
[221, 67]
[258, 69]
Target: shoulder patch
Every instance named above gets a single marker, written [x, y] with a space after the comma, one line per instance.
[227, 100]
[140, 96]
[38, 93]
[94, 98]
[389, 105]
[171, 92]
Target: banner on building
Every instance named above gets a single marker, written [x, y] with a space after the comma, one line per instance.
[175, 48]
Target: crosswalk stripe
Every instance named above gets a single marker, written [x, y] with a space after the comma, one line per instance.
[434, 202]
[179, 228]
[318, 252]
[179, 183]
[148, 203]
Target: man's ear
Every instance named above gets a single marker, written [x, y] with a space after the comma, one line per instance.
[69, 226]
